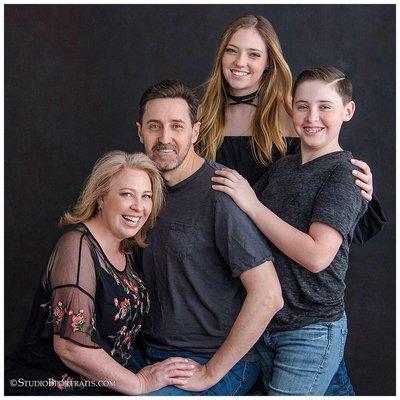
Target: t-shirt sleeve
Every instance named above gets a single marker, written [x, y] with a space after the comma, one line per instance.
[239, 241]
[339, 203]
[72, 281]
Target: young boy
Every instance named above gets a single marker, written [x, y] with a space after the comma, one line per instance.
[308, 209]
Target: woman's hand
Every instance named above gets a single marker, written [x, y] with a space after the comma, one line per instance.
[364, 179]
[172, 371]
[233, 184]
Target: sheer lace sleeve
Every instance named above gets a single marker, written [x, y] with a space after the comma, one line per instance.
[71, 279]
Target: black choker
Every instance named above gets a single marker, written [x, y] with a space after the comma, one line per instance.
[246, 99]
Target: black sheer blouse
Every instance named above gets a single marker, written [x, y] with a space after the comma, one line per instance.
[235, 152]
[82, 298]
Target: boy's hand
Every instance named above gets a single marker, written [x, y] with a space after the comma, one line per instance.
[364, 179]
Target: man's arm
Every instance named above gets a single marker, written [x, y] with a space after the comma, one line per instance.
[263, 300]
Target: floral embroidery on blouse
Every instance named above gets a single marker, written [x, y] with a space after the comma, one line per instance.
[123, 343]
[124, 309]
[79, 321]
[130, 286]
[58, 313]
[137, 290]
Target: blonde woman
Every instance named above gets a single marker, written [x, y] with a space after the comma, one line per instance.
[246, 120]
[80, 338]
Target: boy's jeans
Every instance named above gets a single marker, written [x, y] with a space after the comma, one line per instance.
[340, 384]
[302, 361]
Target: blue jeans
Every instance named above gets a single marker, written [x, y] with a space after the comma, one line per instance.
[237, 382]
[302, 361]
[340, 384]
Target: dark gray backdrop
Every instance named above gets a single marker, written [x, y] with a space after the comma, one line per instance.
[73, 78]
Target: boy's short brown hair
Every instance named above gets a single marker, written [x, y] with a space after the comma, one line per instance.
[327, 74]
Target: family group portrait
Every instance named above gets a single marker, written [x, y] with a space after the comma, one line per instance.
[199, 199]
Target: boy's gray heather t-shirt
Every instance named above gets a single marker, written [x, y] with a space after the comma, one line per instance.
[322, 190]
[199, 246]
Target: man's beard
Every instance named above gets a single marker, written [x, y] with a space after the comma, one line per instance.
[169, 165]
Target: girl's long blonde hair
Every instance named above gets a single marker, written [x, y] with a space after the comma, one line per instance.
[98, 184]
[273, 94]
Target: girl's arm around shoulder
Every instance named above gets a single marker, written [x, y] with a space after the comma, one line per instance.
[372, 222]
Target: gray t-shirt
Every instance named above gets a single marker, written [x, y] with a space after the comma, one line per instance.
[199, 246]
[321, 190]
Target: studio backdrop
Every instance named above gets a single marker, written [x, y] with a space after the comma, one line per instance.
[74, 75]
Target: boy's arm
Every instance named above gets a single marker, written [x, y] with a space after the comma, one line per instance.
[313, 250]
[336, 208]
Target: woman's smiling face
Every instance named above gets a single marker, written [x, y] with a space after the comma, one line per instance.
[128, 203]
[244, 61]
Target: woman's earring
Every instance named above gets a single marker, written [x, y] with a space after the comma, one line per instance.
[98, 207]
[265, 73]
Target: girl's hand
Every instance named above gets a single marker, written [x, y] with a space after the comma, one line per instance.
[233, 184]
[172, 371]
[364, 179]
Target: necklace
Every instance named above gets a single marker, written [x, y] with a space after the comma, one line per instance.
[246, 99]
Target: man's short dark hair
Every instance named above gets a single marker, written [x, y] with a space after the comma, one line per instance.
[170, 89]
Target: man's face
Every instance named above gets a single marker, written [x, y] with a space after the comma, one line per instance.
[167, 132]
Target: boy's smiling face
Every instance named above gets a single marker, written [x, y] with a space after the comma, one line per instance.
[318, 114]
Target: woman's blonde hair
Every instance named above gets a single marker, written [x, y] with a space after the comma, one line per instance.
[97, 186]
[273, 93]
